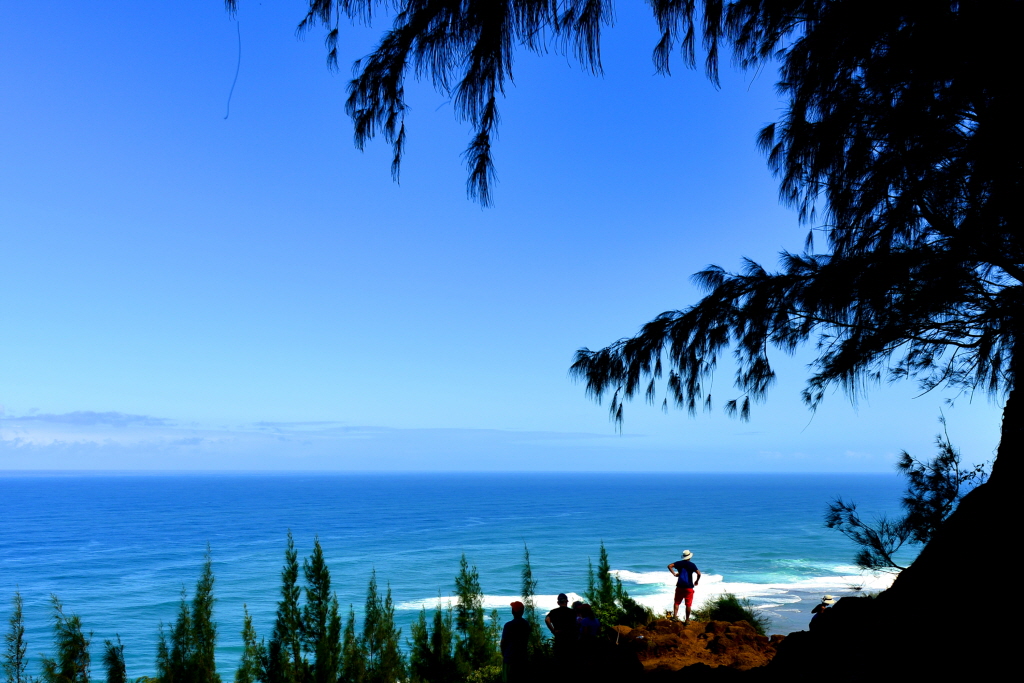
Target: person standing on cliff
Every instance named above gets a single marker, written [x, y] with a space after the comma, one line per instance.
[684, 570]
[561, 621]
[514, 639]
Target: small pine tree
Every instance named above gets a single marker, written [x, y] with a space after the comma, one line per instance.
[476, 646]
[203, 665]
[321, 622]
[420, 655]
[14, 661]
[384, 661]
[536, 647]
[609, 600]
[601, 587]
[432, 652]
[353, 655]
[250, 669]
[71, 646]
[113, 661]
[189, 658]
[494, 637]
[164, 673]
[172, 657]
[284, 661]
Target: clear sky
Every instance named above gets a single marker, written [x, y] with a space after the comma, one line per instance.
[185, 291]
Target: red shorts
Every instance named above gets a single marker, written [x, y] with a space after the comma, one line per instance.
[683, 593]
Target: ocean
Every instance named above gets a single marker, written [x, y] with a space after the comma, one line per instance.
[119, 549]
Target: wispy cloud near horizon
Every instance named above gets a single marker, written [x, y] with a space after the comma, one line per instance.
[89, 418]
[111, 440]
[90, 440]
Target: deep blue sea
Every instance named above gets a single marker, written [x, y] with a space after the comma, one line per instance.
[118, 549]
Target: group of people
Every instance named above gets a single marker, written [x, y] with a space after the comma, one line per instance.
[574, 638]
[574, 629]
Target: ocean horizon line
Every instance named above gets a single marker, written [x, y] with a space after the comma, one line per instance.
[16, 473]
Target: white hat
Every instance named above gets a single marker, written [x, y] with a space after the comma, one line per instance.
[828, 599]
[687, 554]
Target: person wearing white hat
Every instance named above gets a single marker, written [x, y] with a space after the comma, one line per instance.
[684, 570]
[819, 609]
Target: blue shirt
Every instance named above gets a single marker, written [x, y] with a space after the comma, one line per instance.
[686, 570]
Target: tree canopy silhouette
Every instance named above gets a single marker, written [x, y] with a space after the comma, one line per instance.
[898, 144]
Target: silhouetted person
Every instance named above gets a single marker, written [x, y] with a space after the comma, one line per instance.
[514, 639]
[819, 609]
[561, 621]
[589, 664]
[684, 570]
[586, 623]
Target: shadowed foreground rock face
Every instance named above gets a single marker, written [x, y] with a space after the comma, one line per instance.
[667, 646]
[916, 629]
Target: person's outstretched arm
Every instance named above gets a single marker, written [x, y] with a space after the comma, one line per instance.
[672, 568]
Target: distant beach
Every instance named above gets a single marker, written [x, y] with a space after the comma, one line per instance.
[118, 549]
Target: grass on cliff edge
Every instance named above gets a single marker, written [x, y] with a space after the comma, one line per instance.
[727, 607]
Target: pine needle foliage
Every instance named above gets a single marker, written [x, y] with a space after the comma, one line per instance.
[934, 489]
[14, 663]
[353, 652]
[250, 668]
[611, 603]
[285, 662]
[476, 644]
[321, 620]
[203, 667]
[113, 661]
[384, 660]
[888, 146]
[466, 50]
[189, 657]
[432, 650]
[71, 660]
[902, 154]
[537, 647]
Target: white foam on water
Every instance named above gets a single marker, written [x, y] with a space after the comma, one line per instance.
[771, 594]
[767, 596]
[662, 577]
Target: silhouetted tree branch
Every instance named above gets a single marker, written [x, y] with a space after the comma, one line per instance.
[934, 489]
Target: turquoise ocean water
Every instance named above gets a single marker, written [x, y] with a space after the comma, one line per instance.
[117, 549]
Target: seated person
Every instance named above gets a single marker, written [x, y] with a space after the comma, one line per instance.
[819, 609]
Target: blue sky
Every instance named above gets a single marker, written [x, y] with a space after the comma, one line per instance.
[183, 291]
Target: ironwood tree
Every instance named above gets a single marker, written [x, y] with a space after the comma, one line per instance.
[476, 641]
[321, 620]
[381, 638]
[432, 649]
[71, 660]
[900, 147]
[285, 662]
[189, 655]
[14, 662]
[251, 668]
[113, 661]
[903, 154]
